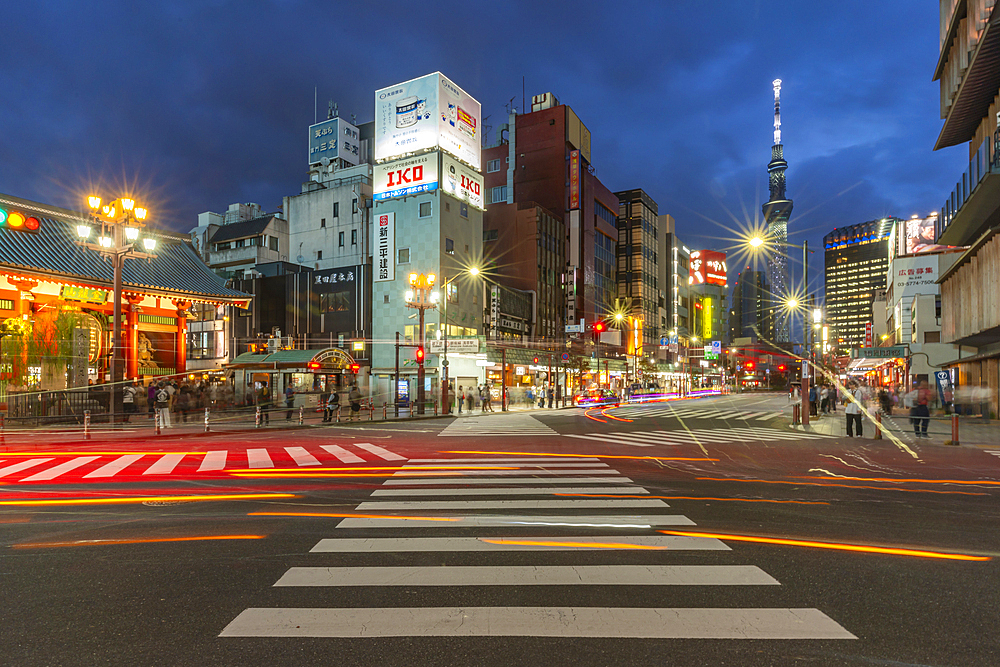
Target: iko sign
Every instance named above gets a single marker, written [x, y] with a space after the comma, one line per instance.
[462, 182]
[385, 247]
[333, 139]
[428, 112]
[403, 178]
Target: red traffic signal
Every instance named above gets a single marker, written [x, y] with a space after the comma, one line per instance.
[355, 368]
[750, 365]
[536, 360]
[420, 355]
[599, 327]
[19, 221]
[781, 367]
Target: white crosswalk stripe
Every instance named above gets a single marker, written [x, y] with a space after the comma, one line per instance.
[510, 425]
[22, 465]
[259, 458]
[380, 452]
[695, 436]
[671, 411]
[342, 454]
[609, 538]
[116, 466]
[213, 460]
[164, 465]
[61, 469]
[302, 457]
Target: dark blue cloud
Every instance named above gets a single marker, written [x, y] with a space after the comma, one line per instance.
[200, 104]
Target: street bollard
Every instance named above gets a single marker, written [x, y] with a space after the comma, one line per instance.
[256, 418]
[338, 413]
[385, 414]
[156, 422]
[371, 411]
[435, 408]
[878, 425]
[301, 415]
[795, 414]
[86, 424]
[206, 420]
[954, 429]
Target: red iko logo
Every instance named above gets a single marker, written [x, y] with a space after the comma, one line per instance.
[470, 185]
[408, 175]
[383, 221]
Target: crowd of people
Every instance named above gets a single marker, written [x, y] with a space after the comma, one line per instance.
[859, 398]
[468, 398]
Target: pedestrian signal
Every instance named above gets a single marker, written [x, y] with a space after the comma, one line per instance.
[355, 368]
[420, 355]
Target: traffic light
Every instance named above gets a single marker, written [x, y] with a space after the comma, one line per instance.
[19, 221]
[750, 365]
[599, 328]
[536, 360]
[781, 368]
[355, 368]
[420, 355]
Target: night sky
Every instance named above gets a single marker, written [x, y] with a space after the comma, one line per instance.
[196, 105]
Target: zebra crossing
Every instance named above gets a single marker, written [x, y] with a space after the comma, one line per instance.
[612, 540]
[34, 468]
[511, 424]
[714, 436]
[680, 411]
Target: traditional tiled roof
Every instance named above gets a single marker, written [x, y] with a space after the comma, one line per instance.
[53, 251]
[242, 230]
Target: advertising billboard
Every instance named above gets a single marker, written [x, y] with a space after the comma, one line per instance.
[385, 247]
[333, 139]
[462, 181]
[574, 180]
[918, 235]
[427, 112]
[914, 275]
[406, 177]
[707, 267]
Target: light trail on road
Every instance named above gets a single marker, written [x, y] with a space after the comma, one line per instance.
[144, 499]
[112, 542]
[841, 486]
[596, 456]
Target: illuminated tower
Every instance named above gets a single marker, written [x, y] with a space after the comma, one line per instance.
[776, 212]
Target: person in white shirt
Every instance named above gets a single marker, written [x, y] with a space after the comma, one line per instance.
[855, 401]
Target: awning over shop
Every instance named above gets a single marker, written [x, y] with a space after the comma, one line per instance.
[328, 360]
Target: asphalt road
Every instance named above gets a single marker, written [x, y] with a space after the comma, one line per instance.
[651, 534]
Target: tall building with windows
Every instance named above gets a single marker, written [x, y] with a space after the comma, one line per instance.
[856, 263]
[543, 158]
[752, 314]
[776, 211]
[640, 290]
[969, 75]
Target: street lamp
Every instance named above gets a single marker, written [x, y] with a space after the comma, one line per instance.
[120, 222]
[421, 297]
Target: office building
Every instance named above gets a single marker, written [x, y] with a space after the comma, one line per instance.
[641, 291]
[234, 242]
[856, 262]
[752, 314]
[970, 87]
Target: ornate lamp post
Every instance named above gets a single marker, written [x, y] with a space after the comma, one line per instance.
[421, 296]
[118, 224]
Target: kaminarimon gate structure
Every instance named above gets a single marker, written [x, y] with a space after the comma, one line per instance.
[53, 292]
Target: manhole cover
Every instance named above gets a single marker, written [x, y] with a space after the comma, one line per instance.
[160, 503]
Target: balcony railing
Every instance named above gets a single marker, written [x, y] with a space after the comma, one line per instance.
[986, 161]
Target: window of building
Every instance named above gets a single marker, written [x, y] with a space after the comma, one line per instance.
[403, 256]
[449, 246]
[463, 210]
[340, 239]
[336, 209]
[319, 254]
[932, 336]
[334, 302]
[322, 222]
[447, 206]
[354, 205]
[452, 292]
[491, 235]
[425, 209]
[492, 165]
[498, 194]
[385, 298]
[222, 246]
[354, 237]
[272, 243]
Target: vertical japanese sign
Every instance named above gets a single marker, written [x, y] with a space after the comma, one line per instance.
[385, 244]
[574, 180]
[869, 338]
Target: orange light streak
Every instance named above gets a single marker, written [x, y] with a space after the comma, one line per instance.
[604, 413]
[586, 545]
[390, 468]
[143, 499]
[829, 545]
[356, 516]
[97, 543]
[580, 456]
[589, 416]
[909, 481]
[839, 486]
[735, 500]
[292, 475]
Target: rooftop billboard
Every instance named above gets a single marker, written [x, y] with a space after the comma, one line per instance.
[707, 266]
[425, 113]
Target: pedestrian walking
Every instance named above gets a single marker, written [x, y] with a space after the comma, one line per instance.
[162, 402]
[552, 395]
[461, 398]
[128, 399]
[354, 398]
[921, 410]
[531, 397]
[289, 402]
[470, 398]
[856, 398]
[812, 401]
[332, 406]
[264, 403]
[151, 398]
